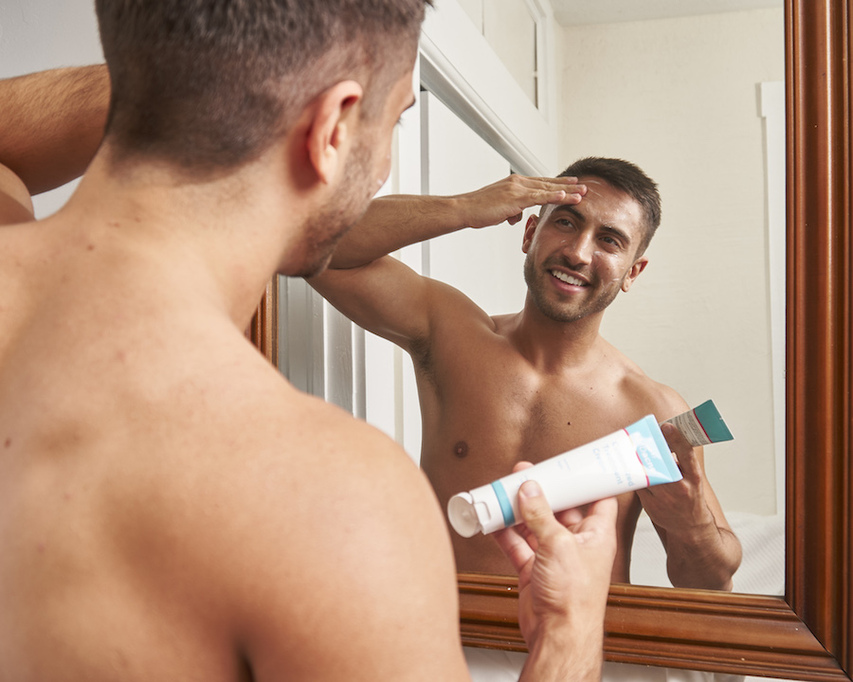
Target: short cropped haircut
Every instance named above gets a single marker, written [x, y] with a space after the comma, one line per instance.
[210, 84]
[629, 178]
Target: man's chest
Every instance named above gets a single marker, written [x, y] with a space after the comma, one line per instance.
[488, 419]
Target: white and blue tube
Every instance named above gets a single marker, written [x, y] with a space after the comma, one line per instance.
[632, 458]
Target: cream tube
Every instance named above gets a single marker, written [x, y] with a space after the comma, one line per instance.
[630, 459]
[702, 425]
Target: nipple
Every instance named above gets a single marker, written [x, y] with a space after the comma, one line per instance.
[461, 449]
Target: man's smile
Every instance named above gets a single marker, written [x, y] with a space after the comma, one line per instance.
[568, 279]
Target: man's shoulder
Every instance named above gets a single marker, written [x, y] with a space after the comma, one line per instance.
[637, 388]
[293, 510]
[267, 419]
[268, 469]
[653, 397]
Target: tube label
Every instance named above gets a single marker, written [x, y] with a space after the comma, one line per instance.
[702, 425]
[653, 452]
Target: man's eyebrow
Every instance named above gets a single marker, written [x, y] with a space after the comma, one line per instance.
[615, 231]
[570, 208]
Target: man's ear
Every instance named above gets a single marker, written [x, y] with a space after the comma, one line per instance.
[529, 231]
[332, 123]
[634, 272]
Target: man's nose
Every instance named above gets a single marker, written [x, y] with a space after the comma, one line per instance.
[578, 249]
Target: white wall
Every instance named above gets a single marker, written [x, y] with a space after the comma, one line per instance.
[510, 29]
[679, 97]
[43, 34]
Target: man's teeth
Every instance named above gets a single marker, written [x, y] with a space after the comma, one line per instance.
[568, 279]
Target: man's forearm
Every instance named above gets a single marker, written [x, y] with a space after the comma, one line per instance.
[705, 560]
[396, 221]
[575, 659]
[53, 123]
[392, 222]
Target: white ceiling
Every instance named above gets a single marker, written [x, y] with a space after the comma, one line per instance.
[573, 12]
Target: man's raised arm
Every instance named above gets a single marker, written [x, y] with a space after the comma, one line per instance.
[393, 222]
[53, 123]
[382, 295]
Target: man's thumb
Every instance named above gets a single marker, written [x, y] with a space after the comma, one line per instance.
[534, 508]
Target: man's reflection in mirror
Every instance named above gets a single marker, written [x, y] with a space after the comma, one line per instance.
[498, 389]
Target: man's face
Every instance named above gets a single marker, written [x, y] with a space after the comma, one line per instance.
[367, 167]
[579, 257]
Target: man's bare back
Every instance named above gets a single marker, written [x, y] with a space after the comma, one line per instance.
[153, 471]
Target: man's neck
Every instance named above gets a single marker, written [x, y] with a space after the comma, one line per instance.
[224, 237]
[554, 346]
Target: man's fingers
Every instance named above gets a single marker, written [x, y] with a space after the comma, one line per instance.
[682, 449]
[535, 510]
[542, 191]
[600, 518]
[514, 546]
[514, 219]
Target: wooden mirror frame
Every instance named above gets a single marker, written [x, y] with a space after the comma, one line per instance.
[806, 635]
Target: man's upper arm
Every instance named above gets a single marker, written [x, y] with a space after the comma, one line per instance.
[391, 300]
[16, 206]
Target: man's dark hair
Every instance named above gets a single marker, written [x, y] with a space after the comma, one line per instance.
[208, 84]
[629, 178]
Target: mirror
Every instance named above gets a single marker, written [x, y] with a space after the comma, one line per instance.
[687, 111]
[806, 634]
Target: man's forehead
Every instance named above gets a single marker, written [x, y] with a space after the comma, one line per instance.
[597, 191]
[596, 186]
[597, 207]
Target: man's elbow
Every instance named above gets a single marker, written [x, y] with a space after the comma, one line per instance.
[714, 571]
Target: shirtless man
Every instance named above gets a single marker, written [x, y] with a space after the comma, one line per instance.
[170, 507]
[496, 389]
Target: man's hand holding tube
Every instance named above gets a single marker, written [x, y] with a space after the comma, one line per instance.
[701, 552]
[564, 564]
